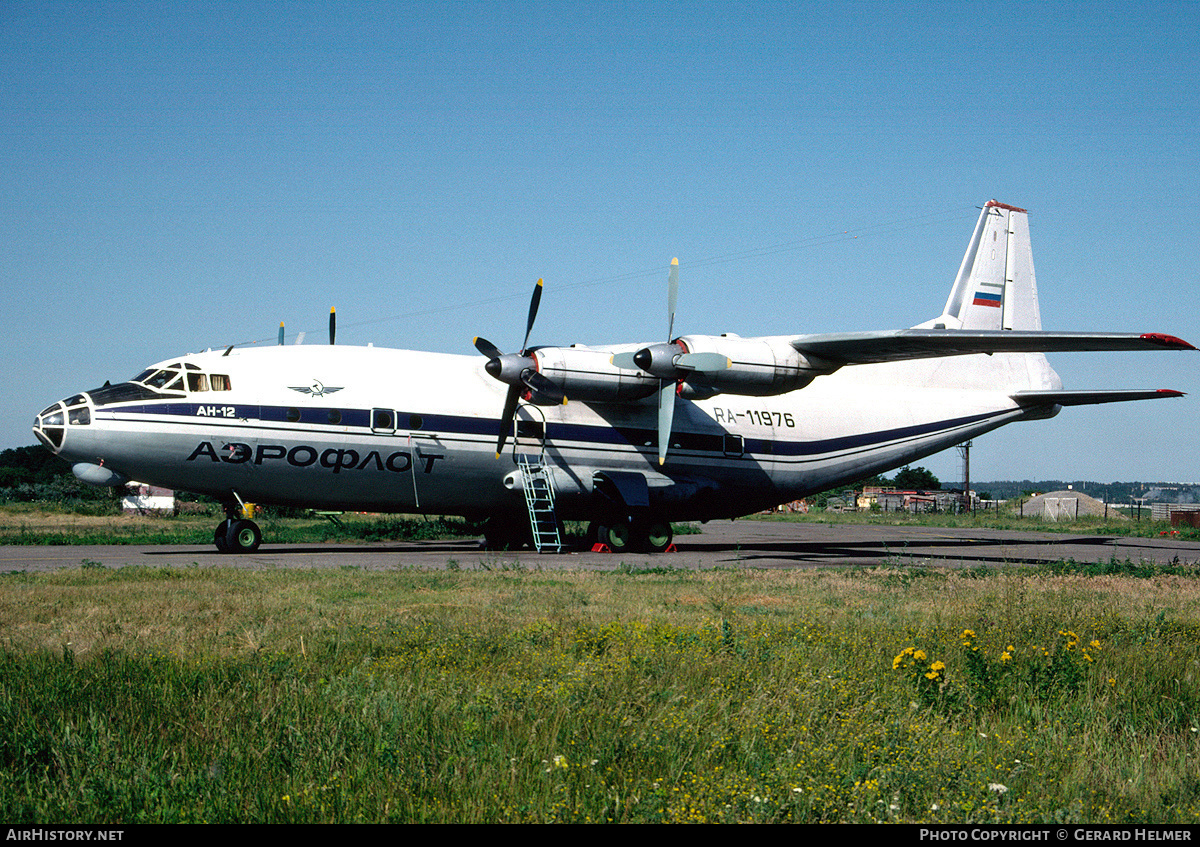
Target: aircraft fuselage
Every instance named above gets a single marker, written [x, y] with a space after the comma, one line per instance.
[366, 428]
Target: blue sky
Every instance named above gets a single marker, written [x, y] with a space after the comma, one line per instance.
[175, 176]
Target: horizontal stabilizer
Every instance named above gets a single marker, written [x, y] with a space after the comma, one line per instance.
[860, 348]
[1088, 398]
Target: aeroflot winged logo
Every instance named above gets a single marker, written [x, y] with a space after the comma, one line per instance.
[317, 389]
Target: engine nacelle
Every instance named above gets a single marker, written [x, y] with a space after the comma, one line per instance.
[585, 374]
[758, 367]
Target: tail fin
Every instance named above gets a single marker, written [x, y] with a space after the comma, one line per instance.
[995, 288]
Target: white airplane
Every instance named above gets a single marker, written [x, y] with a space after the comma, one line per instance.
[693, 428]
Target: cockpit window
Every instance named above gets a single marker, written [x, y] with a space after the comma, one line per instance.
[174, 377]
[159, 379]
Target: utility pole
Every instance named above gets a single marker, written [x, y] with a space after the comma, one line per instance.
[964, 450]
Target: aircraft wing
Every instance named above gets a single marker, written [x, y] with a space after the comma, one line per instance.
[1086, 398]
[861, 348]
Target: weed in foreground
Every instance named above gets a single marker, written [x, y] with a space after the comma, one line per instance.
[639, 697]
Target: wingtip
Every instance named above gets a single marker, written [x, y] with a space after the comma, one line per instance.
[1171, 392]
[1168, 341]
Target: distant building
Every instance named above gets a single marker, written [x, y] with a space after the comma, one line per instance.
[142, 499]
[894, 500]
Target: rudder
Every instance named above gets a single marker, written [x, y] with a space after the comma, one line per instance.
[996, 287]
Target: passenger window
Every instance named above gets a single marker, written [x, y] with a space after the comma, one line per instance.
[382, 420]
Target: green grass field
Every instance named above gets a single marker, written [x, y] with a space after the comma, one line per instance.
[31, 524]
[220, 695]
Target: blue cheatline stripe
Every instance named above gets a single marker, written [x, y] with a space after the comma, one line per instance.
[587, 434]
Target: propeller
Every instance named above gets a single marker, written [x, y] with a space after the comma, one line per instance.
[281, 333]
[666, 391]
[332, 324]
[518, 371]
[670, 362]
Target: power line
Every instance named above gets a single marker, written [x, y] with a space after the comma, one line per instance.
[886, 227]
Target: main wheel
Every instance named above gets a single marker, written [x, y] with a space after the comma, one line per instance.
[618, 536]
[243, 537]
[507, 533]
[658, 535]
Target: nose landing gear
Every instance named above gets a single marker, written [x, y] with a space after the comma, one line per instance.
[237, 534]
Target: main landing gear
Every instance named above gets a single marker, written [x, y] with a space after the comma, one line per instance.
[635, 536]
[619, 534]
[237, 535]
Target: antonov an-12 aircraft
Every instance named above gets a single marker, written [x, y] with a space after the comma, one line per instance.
[692, 428]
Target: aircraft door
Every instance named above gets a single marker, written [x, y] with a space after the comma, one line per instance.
[529, 431]
[426, 450]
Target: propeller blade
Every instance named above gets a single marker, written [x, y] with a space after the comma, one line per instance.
[624, 361]
[672, 297]
[533, 310]
[703, 362]
[487, 348]
[332, 324]
[281, 333]
[666, 415]
[517, 370]
[506, 417]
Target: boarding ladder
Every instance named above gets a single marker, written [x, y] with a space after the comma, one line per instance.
[539, 498]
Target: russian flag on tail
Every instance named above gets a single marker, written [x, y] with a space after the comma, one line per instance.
[984, 298]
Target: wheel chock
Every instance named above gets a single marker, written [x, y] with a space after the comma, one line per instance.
[600, 547]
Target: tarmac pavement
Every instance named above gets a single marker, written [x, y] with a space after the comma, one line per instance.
[722, 544]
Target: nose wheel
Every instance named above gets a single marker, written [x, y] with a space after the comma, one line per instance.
[237, 536]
